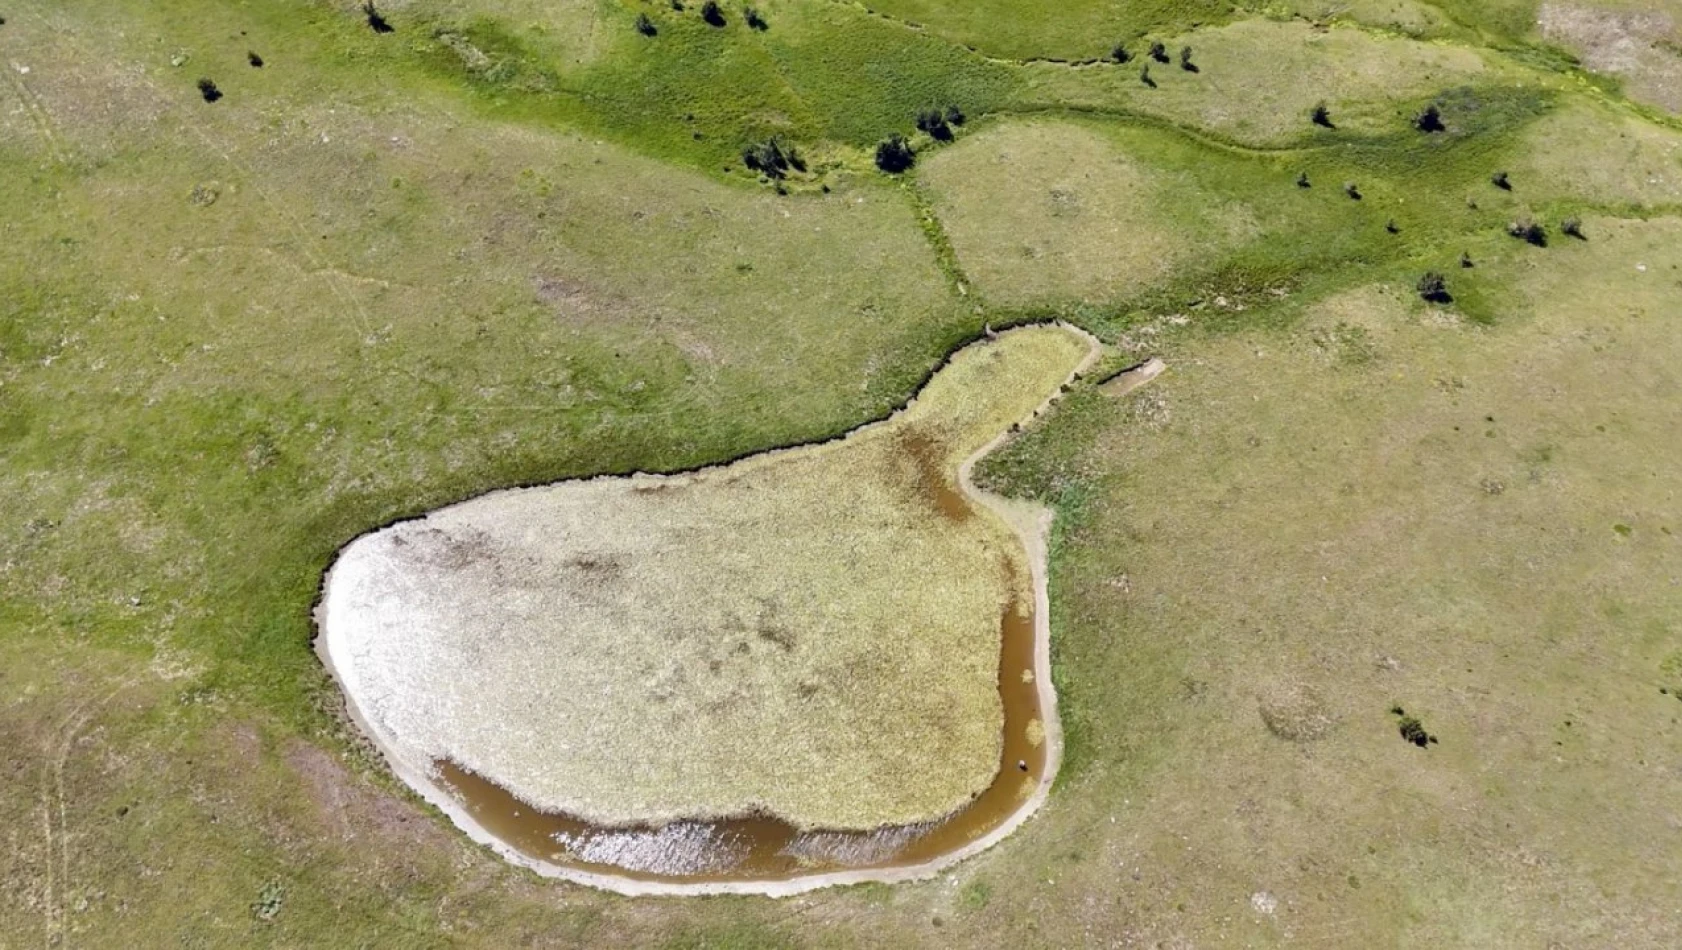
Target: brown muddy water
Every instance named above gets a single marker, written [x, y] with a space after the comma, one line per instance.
[760, 848]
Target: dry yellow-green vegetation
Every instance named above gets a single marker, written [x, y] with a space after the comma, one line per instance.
[1258, 79]
[1593, 153]
[1044, 211]
[811, 634]
[1640, 43]
[514, 243]
[1476, 525]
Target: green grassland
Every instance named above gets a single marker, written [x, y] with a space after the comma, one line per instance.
[512, 242]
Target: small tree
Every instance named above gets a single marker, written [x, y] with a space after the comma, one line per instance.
[1414, 731]
[645, 26]
[1529, 231]
[1392, 226]
[1431, 120]
[754, 19]
[1120, 54]
[895, 155]
[712, 13]
[933, 123]
[1185, 60]
[208, 90]
[955, 115]
[376, 22]
[255, 60]
[1352, 190]
[1302, 180]
[768, 158]
[1159, 52]
[1434, 288]
[1145, 76]
[1466, 259]
[1574, 227]
[1501, 181]
[677, 6]
[1321, 116]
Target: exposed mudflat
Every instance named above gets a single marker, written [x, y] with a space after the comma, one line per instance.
[808, 639]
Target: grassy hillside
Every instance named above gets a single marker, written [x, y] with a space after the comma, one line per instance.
[511, 242]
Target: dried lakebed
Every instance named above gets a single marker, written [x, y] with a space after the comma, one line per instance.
[818, 665]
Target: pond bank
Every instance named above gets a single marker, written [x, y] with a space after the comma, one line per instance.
[703, 857]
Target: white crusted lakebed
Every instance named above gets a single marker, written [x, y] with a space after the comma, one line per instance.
[808, 643]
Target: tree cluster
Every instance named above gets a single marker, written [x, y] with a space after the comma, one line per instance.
[1434, 287]
[895, 155]
[1412, 729]
[376, 22]
[1529, 231]
[938, 123]
[773, 159]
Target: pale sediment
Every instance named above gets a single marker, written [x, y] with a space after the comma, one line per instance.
[947, 673]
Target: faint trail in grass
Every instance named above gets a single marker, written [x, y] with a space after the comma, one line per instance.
[37, 113]
[287, 260]
[54, 818]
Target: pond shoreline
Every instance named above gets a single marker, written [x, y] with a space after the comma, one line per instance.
[1031, 525]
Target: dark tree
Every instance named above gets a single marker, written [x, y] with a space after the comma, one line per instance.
[773, 159]
[1322, 116]
[712, 13]
[645, 26]
[376, 22]
[1120, 54]
[677, 6]
[1145, 76]
[1500, 180]
[1434, 288]
[751, 15]
[955, 115]
[1465, 259]
[895, 155]
[1352, 190]
[1431, 120]
[1185, 60]
[1159, 52]
[1302, 180]
[1392, 226]
[1414, 731]
[208, 90]
[1529, 231]
[255, 60]
[933, 122]
[1573, 227]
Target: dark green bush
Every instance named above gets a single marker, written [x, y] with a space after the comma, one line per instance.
[895, 155]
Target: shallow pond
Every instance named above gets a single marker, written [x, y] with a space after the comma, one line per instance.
[767, 849]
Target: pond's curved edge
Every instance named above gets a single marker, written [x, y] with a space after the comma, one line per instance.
[1030, 522]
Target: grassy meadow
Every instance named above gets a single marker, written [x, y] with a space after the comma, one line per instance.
[512, 241]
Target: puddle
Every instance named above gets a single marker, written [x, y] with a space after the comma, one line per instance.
[698, 852]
